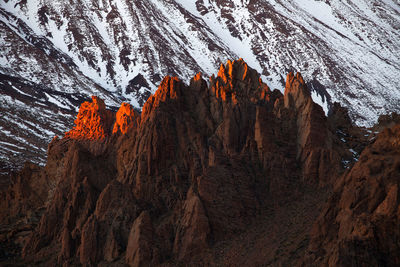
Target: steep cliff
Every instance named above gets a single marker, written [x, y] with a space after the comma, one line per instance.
[359, 225]
[217, 172]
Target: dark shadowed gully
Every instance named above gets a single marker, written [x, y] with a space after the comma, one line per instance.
[218, 173]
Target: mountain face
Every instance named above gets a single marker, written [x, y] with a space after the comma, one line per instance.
[54, 54]
[220, 174]
[365, 209]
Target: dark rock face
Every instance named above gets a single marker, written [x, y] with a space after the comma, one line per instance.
[21, 207]
[140, 243]
[19, 198]
[202, 164]
[360, 224]
[314, 147]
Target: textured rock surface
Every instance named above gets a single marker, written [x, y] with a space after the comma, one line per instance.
[225, 173]
[54, 54]
[126, 118]
[193, 233]
[140, 242]
[21, 207]
[93, 121]
[359, 226]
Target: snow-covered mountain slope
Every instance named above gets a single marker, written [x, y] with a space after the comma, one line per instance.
[112, 42]
[64, 51]
[41, 89]
[348, 49]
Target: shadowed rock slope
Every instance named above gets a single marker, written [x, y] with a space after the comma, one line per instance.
[220, 173]
[359, 226]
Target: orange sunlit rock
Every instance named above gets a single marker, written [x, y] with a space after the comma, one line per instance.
[125, 118]
[197, 77]
[235, 80]
[169, 88]
[93, 121]
[221, 73]
[296, 92]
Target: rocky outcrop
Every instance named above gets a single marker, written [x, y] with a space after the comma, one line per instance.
[359, 225]
[21, 207]
[28, 191]
[125, 119]
[140, 242]
[199, 165]
[93, 121]
[314, 146]
[193, 233]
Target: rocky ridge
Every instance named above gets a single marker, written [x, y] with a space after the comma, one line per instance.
[55, 54]
[200, 176]
[359, 224]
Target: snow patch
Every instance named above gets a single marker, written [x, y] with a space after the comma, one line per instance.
[320, 101]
